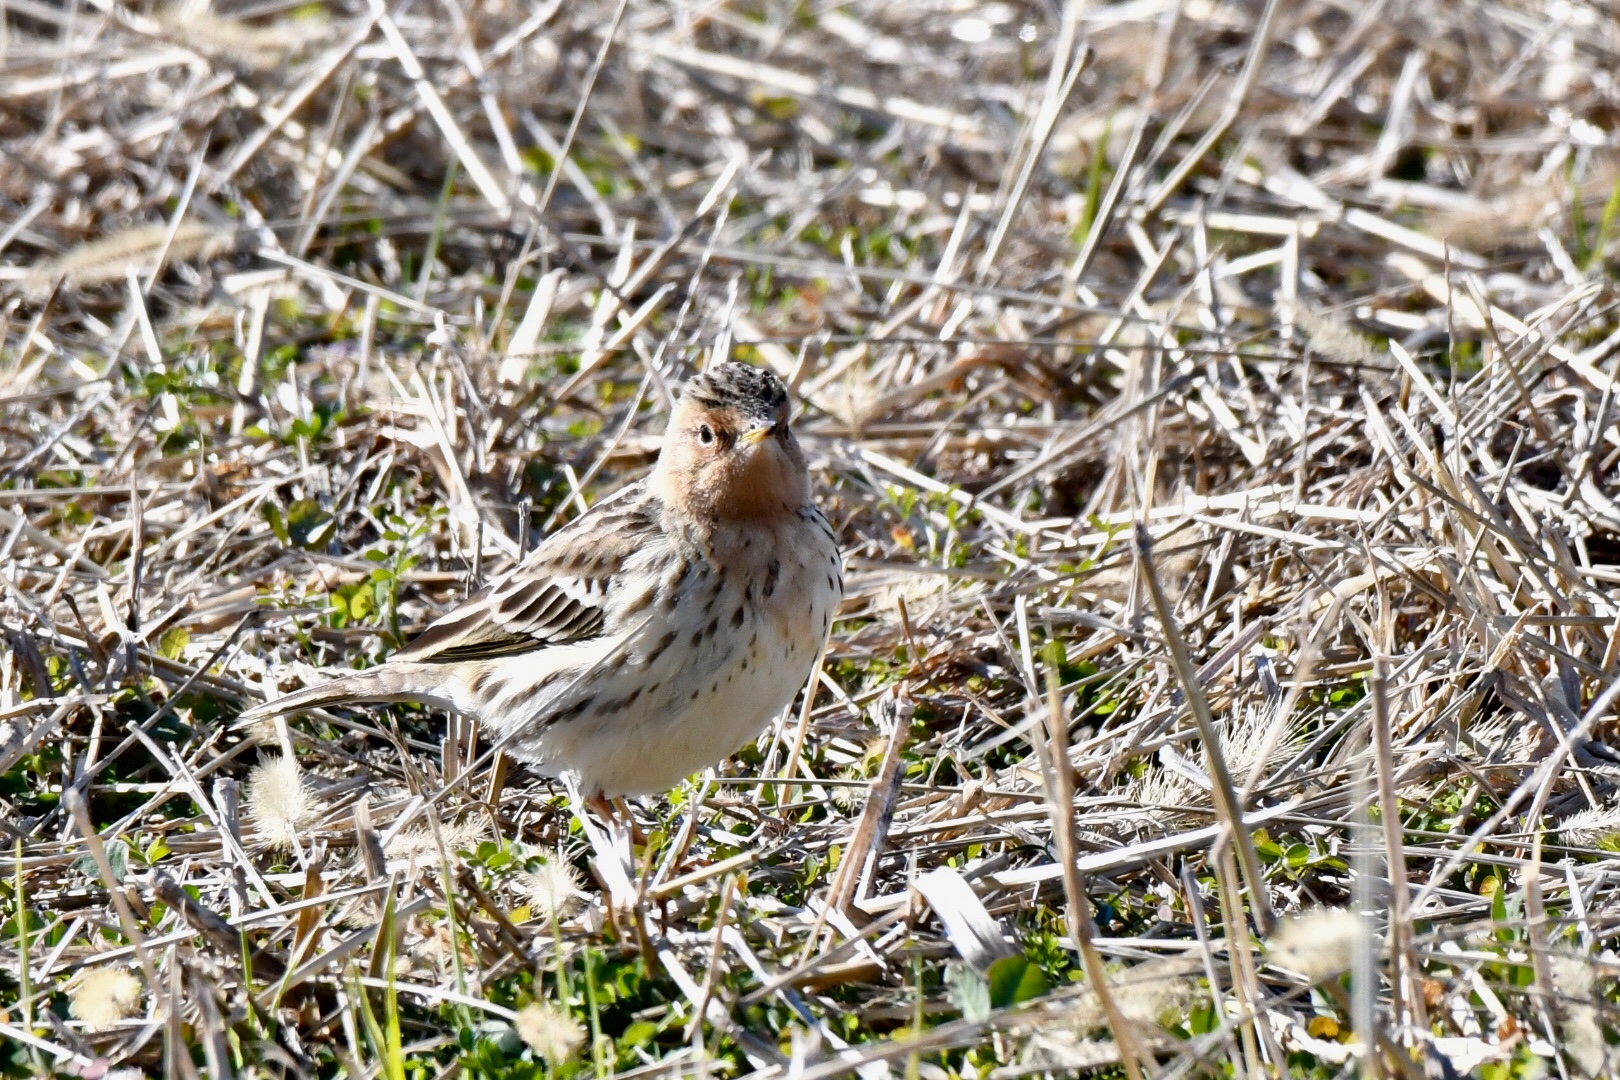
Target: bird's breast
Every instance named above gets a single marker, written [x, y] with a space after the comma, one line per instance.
[711, 645]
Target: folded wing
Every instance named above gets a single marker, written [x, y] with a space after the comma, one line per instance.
[560, 594]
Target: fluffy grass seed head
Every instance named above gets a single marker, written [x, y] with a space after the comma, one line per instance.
[1160, 795]
[550, 1032]
[1318, 944]
[104, 996]
[418, 841]
[552, 889]
[1593, 827]
[279, 802]
[1336, 339]
[109, 258]
[1157, 990]
[1164, 793]
[850, 794]
[1579, 1024]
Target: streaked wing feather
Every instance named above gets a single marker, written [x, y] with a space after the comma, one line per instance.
[555, 596]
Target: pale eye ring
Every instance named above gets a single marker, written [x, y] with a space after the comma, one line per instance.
[706, 435]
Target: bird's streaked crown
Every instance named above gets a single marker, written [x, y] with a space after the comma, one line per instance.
[753, 392]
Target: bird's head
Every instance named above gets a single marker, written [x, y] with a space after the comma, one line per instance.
[729, 453]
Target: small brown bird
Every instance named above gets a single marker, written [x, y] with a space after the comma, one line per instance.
[658, 632]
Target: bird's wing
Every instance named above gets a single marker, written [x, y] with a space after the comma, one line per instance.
[557, 595]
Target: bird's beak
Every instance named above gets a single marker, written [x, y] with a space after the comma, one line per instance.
[755, 436]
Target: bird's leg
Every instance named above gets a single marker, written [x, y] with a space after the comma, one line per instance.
[615, 861]
[622, 808]
[492, 795]
[626, 833]
[615, 813]
[602, 807]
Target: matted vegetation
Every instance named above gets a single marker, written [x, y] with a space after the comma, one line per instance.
[1216, 405]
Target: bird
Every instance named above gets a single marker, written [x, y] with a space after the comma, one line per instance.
[658, 632]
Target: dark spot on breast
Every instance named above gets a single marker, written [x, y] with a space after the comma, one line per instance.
[674, 586]
[697, 638]
[663, 643]
[772, 571]
[744, 666]
[694, 696]
[737, 616]
[713, 627]
[562, 716]
[714, 687]
[640, 602]
[634, 694]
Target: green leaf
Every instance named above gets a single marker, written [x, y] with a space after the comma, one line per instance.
[117, 858]
[639, 1033]
[1203, 1020]
[308, 525]
[1014, 979]
[272, 515]
[968, 991]
[174, 641]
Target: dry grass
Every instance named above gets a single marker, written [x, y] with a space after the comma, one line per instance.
[1216, 404]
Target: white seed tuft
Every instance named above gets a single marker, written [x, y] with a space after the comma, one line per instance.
[418, 842]
[112, 257]
[1155, 989]
[1590, 827]
[850, 794]
[1318, 944]
[550, 1032]
[1336, 340]
[1583, 1041]
[104, 996]
[552, 889]
[279, 802]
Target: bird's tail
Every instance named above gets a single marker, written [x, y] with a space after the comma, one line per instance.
[438, 685]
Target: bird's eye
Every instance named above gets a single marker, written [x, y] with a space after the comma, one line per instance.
[705, 434]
